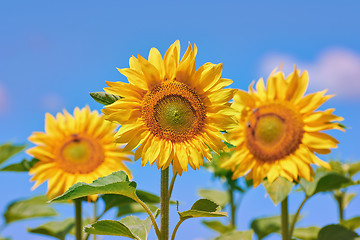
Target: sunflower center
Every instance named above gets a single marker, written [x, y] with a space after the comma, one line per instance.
[274, 131]
[173, 111]
[77, 152]
[80, 154]
[269, 129]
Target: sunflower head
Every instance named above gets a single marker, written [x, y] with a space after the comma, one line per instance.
[280, 130]
[73, 149]
[171, 112]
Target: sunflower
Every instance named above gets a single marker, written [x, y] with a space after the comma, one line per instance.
[279, 129]
[171, 112]
[75, 149]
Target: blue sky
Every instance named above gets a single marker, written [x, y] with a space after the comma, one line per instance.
[53, 54]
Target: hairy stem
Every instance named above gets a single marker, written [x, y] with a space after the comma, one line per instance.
[177, 227]
[172, 184]
[164, 202]
[152, 218]
[284, 219]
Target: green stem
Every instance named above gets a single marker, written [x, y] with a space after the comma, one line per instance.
[87, 235]
[176, 228]
[164, 202]
[95, 216]
[232, 206]
[172, 184]
[292, 226]
[339, 199]
[78, 219]
[152, 218]
[284, 219]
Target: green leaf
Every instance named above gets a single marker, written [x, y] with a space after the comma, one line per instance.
[8, 150]
[114, 200]
[203, 208]
[132, 208]
[110, 227]
[130, 226]
[352, 223]
[29, 208]
[243, 235]
[138, 227]
[267, 225]
[116, 183]
[325, 181]
[347, 198]
[85, 221]
[127, 205]
[220, 197]
[309, 233]
[1, 238]
[214, 165]
[57, 229]
[354, 168]
[336, 232]
[23, 166]
[279, 189]
[218, 226]
[336, 166]
[104, 98]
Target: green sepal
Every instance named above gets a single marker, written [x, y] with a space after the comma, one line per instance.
[278, 190]
[104, 98]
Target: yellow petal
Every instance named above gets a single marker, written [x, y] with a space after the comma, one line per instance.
[151, 73]
[155, 58]
[319, 140]
[134, 77]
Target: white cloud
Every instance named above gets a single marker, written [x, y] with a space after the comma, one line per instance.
[4, 102]
[335, 69]
[52, 102]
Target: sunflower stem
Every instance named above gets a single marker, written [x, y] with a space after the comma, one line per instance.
[172, 184]
[294, 220]
[176, 228]
[78, 219]
[164, 202]
[232, 205]
[95, 216]
[152, 218]
[339, 199]
[284, 219]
